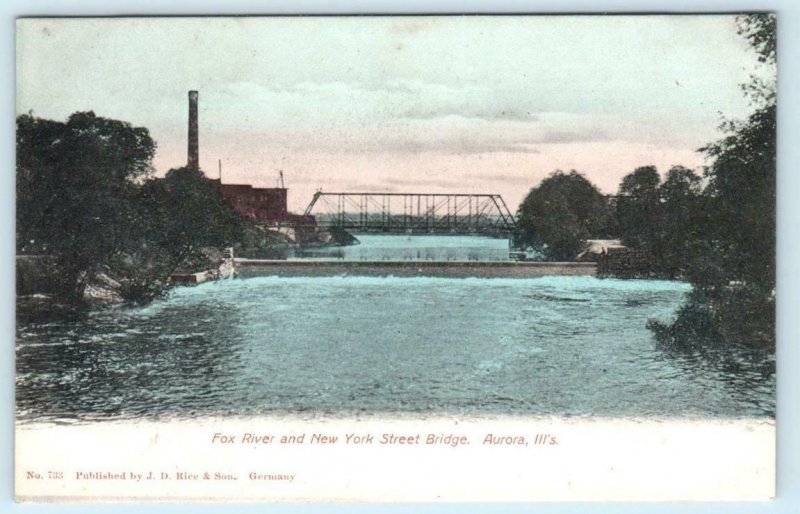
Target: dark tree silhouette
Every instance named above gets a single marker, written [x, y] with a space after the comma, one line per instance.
[733, 263]
[639, 208]
[558, 215]
[74, 182]
[176, 220]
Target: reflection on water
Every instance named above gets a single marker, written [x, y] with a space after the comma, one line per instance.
[345, 345]
[374, 247]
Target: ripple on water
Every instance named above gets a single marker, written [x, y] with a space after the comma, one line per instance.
[544, 346]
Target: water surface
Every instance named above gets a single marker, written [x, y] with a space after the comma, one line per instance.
[381, 247]
[350, 345]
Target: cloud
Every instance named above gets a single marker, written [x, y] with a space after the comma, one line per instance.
[454, 146]
[391, 99]
[573, 136]
[397, 117]
[466, 110]
[414, 184]
[505, 178]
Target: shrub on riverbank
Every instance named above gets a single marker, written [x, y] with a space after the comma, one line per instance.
[717, 317]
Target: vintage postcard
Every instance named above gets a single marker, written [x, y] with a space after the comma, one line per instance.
[396, 258]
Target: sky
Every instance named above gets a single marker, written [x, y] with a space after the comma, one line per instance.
[458, 104]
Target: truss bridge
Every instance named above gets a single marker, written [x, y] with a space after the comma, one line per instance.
[480, 214]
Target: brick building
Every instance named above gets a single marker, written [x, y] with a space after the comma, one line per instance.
[258, 204]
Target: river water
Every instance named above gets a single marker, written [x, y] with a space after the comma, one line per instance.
[377, 247]
[564, 346]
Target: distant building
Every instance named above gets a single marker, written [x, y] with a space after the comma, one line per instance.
[258, 204]
[261, 205]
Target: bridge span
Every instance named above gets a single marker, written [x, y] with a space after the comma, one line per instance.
[484, 214]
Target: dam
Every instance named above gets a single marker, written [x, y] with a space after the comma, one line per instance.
[246, 268]
[382, 255]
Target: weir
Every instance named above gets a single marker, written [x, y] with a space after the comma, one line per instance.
[479, 269]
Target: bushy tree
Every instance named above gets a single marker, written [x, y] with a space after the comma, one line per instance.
[561, 213]
[682, 228]
[74, 183]
[733, 263]
[741, 204]
[638, 209]
[178, 218]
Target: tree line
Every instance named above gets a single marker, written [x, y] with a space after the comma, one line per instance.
[665, 219]
[715, 228]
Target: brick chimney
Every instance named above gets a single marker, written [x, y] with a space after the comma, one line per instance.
[193, 161]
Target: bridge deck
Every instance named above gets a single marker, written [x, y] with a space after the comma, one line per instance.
[480, 269]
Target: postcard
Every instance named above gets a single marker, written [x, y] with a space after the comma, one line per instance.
[396, 258]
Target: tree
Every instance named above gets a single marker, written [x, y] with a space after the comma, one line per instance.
[682, 226]
[741, 195]
[741, 178]
[561, 213]
[733, 266]
[177, 220]
[638, 209]
[74, 183]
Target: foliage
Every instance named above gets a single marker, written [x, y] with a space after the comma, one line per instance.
[682, 227]
[760, 30]
[665, 218]
[693, 326]
[741, 203]
[259, 243]
[732, 261]
[558, 215]
[192, 213]
[639, 207]
[174, 223]
[733, 314]
[74, 183]
[86, 198]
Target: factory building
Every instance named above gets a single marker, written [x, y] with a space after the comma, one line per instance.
[262, 205]
[258, 204]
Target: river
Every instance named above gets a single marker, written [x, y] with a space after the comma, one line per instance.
[378, 247]
[562, 346]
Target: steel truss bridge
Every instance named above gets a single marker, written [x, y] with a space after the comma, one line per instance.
[483, 214]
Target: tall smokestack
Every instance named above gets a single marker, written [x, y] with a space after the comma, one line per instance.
[194, 147]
